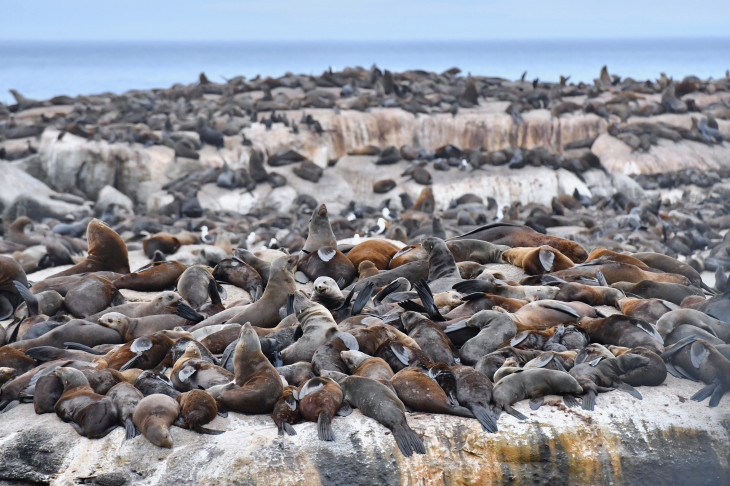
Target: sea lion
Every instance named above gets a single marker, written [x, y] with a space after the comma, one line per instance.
[624, 331]
[413, 272]
[377, 401]
[407, 254]
[478, 251]
[494, 328]
[151, 382]
[652, 374]
[590, 294]
[91, 295]
[265, 311]
[669, 321]
[697, 359]
[429, 337]
[421, 393]
[48, 389]
[514, 235]
[125, 398]
[191, 372]
[163, 303]
[618, 272]
[442, 270]
[668, 264]
[606, 375]
[107, 252]
[649, 310]
[153, 277]
[257, 383]
[297, 373]
[400, 355]
[473, 391]
[261, 266]
[75, 331]
[286, 411]
[16, 359]
[90, 414]
[537, 261]
[533, 384]
[610, 255]
[165, 243]
[193, 285]
[153, 416]
[649, 289]
[326, 262]
[361, 364]
[366, 269]
[145, 352]
[197, 408]
[241, 274]
[133, 327]
[320, 231]
[378, 251]
[10, 271]
[319, 399]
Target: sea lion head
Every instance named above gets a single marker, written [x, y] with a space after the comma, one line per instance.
[166, 301]
[353, 359]
[327, 287]
[191, 351]
[113, 320]
[410, 319]
[248, 339]
[71, 377]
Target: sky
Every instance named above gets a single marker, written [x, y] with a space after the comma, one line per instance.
[363, 20]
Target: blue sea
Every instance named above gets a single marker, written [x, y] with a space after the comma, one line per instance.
[45, 69]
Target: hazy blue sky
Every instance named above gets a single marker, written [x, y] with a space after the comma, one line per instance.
[361, 20]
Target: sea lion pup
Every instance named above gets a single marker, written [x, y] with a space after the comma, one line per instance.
[606, 375]
[265, 311]
[421, 393]
[624, 331]
[10, 272]
[618, 272]
[696, 359]
[473, 391]
[429, 337]
[165, 243]
[668, 264]
[328, 262]
[361, 364]
[653, 374]
[508, 367]
[191, 372]
[257, 384]
[377, 401]
[125, 398]
[297, 373]
[320, 231]
[326, 292]
[590, 294]
[378, 251]
[107, 252]
[669, 321]
[319, 399]
[647, 289]
[286, 411]
[90, 414]
[366, 269]
[553, 360]
[593, 353]
[514, 235]
[533, 384]
[163, 303]
[239, 273]
[48, 389]
[133, 327]
[193, 285]
[154, 415]
[649, 310]
[539, 260]
[153, 277]
[197, 408]
[477, 251]
[317, 326]
[150, 382]
[490, 363]
[494, 329]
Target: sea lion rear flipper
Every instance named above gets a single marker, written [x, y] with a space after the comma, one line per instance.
[697, 353]
[543, 360]
[386, 291]
[473, 286]
[570, 401]
[409, 305]
[485, 416]
[207, 431]
[424, 292]
[625, 387]
[601, 279]
[286, 427]
[130, 430]
[536, 402]
[222, 413]
[677, 347]
[589, 401]
[30, 300]
[344, 410]
[324, 427]
[717, 395]
[6, 309]
[457, 326]
[514, 413]
[187, 312]
[257, 292]
[82, 347]
[649, 329]
[362, 298]
[407, 440]
[564, 308]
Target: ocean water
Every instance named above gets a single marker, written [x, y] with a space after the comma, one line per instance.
[45, 69]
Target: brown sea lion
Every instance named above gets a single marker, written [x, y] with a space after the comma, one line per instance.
[91, 415]
[361, 364]
[48, 389]
[407, 254]
[478, 251]
[648, 289]
[697, 359]
[590, 294]
[286, 411]
[10, 271]
[153, 277]
[621, 330]
[610, 255]
[649, 310]
[652, 374]
[539, 260]
[107, 252]
[154, 415]
[366, 269]
[429, 337]
[133, 327]
[618, 272]
[297, 373]
[421, 393]
[668, 264]
[163, 242]
[194, 285]
[326, 262]
[197, 408]
[379, 252]
[191, 372]
[319, 399]
[166, 302]
[144, 353]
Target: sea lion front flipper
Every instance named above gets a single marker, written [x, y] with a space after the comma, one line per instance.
[403, 354]
[424, 292]
[31, 301]
[344, 410]
[407, 440]
[594, 362]
[601, 279]
[301, 277]
[589, 401]
[473, 286]
[486, 417]
[130, 430]
[186, 372]
[559, 365]
[519, 337]
[697, 353]
[717, 394]
[536, 402]
[564, 308]
[457, 326]
[649, 329]
[187, 312]
[326, 253]
[547, 258]
[207, 431]
[81, 347]
[514, 413]
[677, 347]
[286, 427]
[386, 291]
[324, 427]
[570, 401]
[362, 299]
[625, 387]
[543, 360]
[706, 391]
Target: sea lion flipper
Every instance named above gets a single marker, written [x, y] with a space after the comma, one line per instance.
[424, 292]
[564, 308]
[324, 427]
[130, 430]
[677, 347]
[559, 365]
[589, 401]
[401, 352]
[213, 292]
[409, 305]
[326, 254]
[386, 291]
[625, 387]
[348, 340]
[186, 372]
[288, 428]
[362, 298]
[187, 312]
[207, 431]
[222, 413]
[717, 395]
[570, 401]
[649, 329]
[594, 362]
[706, 391]
[31, 301]
[697, 353]
[514, 413]
[301, 277]
[601, 279]
[473, 286]
[485, 416]
[81, 347]
[130, 363]
[536, 402]
[546, 258]
[519, 337]
[457, 326]
[344, 410]
[408, 441]
[543, 360]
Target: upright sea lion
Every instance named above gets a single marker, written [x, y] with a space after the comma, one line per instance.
[319, 399]
[320, 231]
[533, 384]
[154, 415]
[107, 252]
[258, 385]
